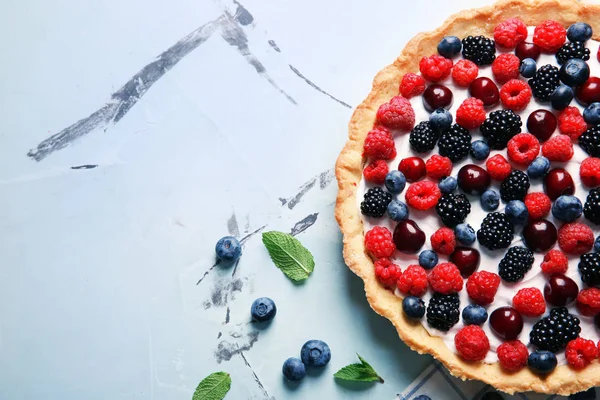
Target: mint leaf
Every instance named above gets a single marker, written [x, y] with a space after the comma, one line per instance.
[288, 254]
[213, 387]
[362, 372]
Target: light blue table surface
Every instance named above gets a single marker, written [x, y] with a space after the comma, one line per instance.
[115, 188]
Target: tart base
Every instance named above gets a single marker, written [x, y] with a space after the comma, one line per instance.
[563, 380]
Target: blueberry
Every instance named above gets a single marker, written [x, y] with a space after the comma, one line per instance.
[591, 114]
[293, 369]
[395, 182]
[480, 150]
[561, 97]
[474, 314]
[440, 119]
[397, 210]
[597, 245]
[228, 249]
[448, 184]
[542, 361]
[528, 68]
[589, 394]
[490, 200]
[517, 212]
[263, 309]
[413, 307]
[567, 208]
[422, 397]
[315, 353]
[538, 168]
[428, 259]
[449, 46]
[574, 72]
[465, 234]
[579, 32]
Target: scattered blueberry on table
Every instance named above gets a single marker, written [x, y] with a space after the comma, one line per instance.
[228, 249]
[315, 353]
[293, 369]
[263, 309]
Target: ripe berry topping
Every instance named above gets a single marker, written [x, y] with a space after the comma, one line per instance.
[379, 144]
[378, 242]
[591, 209]
[464, 72]
[589, 172]
[376, 172]
[515, 94]
[413, 281]
[470, 114]
[435, 68]
[558, 148]
[498, 168]
[443, 241]
[500, 127]
[575, 238]
[375, 202]
[443, 311]
[490, 200]
[554, 331]
[482, 287]
[449, 46]
[572, 50]
[414, 307]
[471, 343]
[437, 96]
[589, 92]
[395, 181]
[453, 209]
[544, 82]
[560, 290]
[588, 301]
[479, 49]
[590, 141]
[571, 123]
[523, 148]
[412, 85]
[423, 195]
[293, 369]
[515, 186]
[558, 182]
[510, 33]
[479, 150]
[541, 123]
[529, 302]
[396, 114]
[555, 261]
[438, 166]
[408, 237]
[474, 314]
[540, 235]
[589, 268]
[506, 67]
[580, 352]
[387, 272]
[567, 208]
[549, 36]
[496, 231]
[527, 50]
[591, 114]
[428, 259]
[512, 355]
[445, 278]
[506, 322]
[538, 168]
[528, 68]
[440, 120]
[455, 143]
[561, 97]
[465, 234]
[413, 168]
[466, 260]
[574, 72]
[515, 264]
[516, 211]
[485, 90]
[448, 184]
[538, 205]
[473, 179]
[579, 32]
[542, 362]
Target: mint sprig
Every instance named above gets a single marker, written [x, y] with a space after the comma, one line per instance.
[288, 254]
[362, 372]
[213, 387]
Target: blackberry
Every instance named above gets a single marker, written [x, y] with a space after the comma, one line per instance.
[375, 202]
[515, 186]
[499, 127]
[544, 82]
[590, 141]
[453, 209]
[455, 143]
[423, 137]
[496, 231]
[554, 331]
[479, 49]
[589, 268]
[572, 50]
[515, 264]
[443, 311]
[591, 209]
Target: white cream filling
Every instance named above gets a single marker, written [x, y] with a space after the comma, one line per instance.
[429, 222]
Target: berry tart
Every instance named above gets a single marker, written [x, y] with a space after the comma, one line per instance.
[469, 195]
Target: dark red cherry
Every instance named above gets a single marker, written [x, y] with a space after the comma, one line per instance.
[506, 322]
[527, 50]
[557, 182]
[437, 96]
[413, 168]
[466, 259]
[589, 92]
[541, 124]
[408, 237]
[485, 90]
[560, 290]
[540, 235]
[597, 321]
[473, 179]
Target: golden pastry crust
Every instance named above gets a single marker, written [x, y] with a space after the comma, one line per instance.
[563, 380]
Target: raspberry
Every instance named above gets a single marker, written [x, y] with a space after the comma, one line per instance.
[588, 301]
[549, 36]
[571, 123]
[555, 262]
[443, 241]
[387, 272]
[538, 205]
[412, 85]
[376, 171]
[580, 352]
[423, 195]
[464, 72]
[523, 149]
[512, 355]
[510, 33]
[471, 343]
[435, 68]
[558, 148]
[498, 168]
[379, 144]
[470, 114]
[515, 94]
[482, 287]
[438, 167]
[529, 302]
[506, 67]
[413, 281]
[445, 278]
[379, 242]
[575, 238]
[589, 172]
[396, 114]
